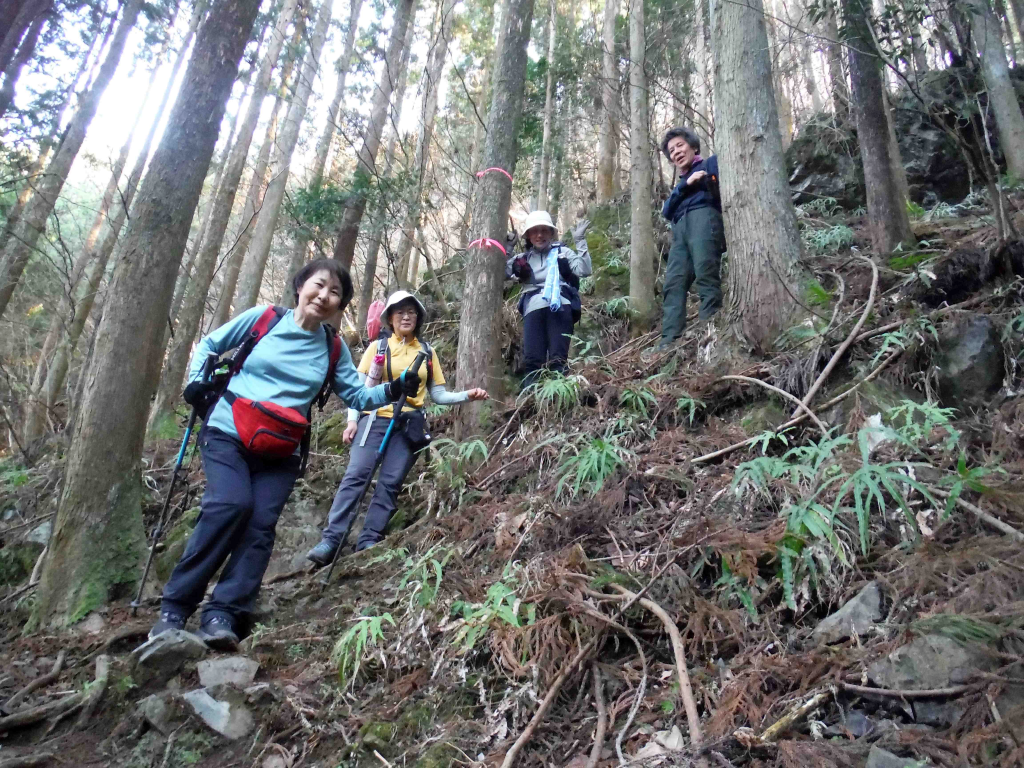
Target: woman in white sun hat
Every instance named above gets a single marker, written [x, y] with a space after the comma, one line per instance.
[400, 342]
[550, 302]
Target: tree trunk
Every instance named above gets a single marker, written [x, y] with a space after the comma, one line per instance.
[11, 38]
[98, 535]
[430, 87]
[479, 125]
[24, 54]
[549, 111]
[641, 247]
[280, 163]
[8, 13]
[887, 211]
[20, 246]
[198, 286]
[366, 168]
[810, 81]
[1001, 94]
[479, 339]
[250, 215]
[836, 73]
[1004, 19]
[379, 214]
[609, 105]
[760, 223]
[1017, 9]
[323, 146]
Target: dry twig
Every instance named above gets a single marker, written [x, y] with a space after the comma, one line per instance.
[792, 398]
[602, 720]
[776, 729]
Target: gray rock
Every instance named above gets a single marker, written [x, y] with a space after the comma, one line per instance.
[41, 533]
[854, 618]
[163, 711]
[236, 670]
[940, 713]
[930, 661]
[227, 715]
[969, 364]
[880, 758]
[158, 660]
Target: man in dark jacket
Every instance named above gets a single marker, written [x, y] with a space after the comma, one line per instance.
[698, 237]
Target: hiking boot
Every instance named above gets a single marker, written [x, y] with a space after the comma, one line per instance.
[168, 621]
[323, 553]
[218, 633]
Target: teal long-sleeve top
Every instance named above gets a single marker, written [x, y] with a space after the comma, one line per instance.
[287, 367]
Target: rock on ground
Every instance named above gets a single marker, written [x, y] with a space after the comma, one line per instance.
[929, 661]
[235, 670]
[880, 758]
[969, 364]
[158, 660]
[856, 617]
[226, 715]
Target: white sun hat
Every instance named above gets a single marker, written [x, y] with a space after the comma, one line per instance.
[397, 298]
[538, 219]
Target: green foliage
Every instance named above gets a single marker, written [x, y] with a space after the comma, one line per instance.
[689, 405]
[769, 436]
[424, 574]
[616, 307]
[916, 329]
[13, 474]
[501, 605]
[829, 239]
[1013, 328]
[349, 652]
[453, 459]
[910, 260]
[590, 465]
[966, 477]
[963, 629]
[816, 295]
[319, 207]
[915, 422]
[555, 393]
[734, 586]
[638, 400]
[822, 206]
[914, 211]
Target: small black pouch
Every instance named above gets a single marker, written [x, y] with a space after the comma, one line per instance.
[414, 427]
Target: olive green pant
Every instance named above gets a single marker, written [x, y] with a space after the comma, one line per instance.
[698, 241]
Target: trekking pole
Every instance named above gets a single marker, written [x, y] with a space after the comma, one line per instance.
[415, 368]
[158, 531]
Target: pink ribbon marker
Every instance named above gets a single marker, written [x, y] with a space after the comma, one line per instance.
[486, 241]
[499, 170]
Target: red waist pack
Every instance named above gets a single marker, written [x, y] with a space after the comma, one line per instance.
[266, 428]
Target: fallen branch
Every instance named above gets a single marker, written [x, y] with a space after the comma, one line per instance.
[823, 376]
[685, 689]
[602, 720]
[792, 398]
[27, 761]
[40, 682]
[934, 313]
[992, 520]
[925, 693]
[95, 693]
[776, 729]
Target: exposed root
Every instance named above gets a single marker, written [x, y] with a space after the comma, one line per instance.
[96, 691]
[602, 719]
[35, 685]
[799, 406]
[776, 729]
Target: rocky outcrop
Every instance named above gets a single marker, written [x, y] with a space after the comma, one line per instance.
[969, 363]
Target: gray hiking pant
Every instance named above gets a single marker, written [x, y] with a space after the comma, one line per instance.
[698, 241]
[398, 460]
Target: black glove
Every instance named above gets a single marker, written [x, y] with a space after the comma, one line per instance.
[201, 395]
[407, 384]
[521, 269]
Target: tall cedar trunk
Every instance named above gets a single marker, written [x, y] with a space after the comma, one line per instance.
[206, 260]
[323, 145]
[12, 36]
[780, 73]
[379, 214]
[98, 536]
[810, 81]
[557, 168]
[431, 86]
[549, 111]
[609, 105]
[836, 73]
[8, 13]
[1001, 94]
[280, 164]
[888, 220]
[20, 246]
[760, 223]
[479, 124]
[479, 339]
[21, 58]
[1004, 19]
[1017, 9]
[641, 248]
[250, 215]
[366, 168]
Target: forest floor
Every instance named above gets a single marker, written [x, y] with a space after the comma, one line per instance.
[499, 620]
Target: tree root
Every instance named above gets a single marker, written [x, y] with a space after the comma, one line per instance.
[685, 689]
[792, 398]
[95, 693]
[926, 693]
[27, 761]
[992, 520]
[37, 714]
[35, 685]
[776, 729]
[602, 719]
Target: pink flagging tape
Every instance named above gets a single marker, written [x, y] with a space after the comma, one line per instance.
[499, 170]
[486, 241]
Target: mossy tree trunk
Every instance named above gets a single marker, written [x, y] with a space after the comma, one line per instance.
[98, 535]
[641, 247]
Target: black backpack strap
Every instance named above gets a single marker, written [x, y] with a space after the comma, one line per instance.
[430, 363]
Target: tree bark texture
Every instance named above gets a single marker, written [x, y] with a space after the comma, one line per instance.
[11, 37]
[280, 165]
[20, 246]
[887, 210]
[836, 72]
[430, 87]
[1001, 95]
[479, 339]
[609, 105]
[479, 127]
[760, 223]
[549, 111]
[8, 13]
[21, 58]
[198, 285]
[366, 168]
[641, 247]
[98, 536]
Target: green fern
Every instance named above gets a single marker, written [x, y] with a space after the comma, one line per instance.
[689, 405]
[638, 400]
[915, 422]
[425, 573]
[589, 467]
[350, 650]
[556, 393]
[501, 604]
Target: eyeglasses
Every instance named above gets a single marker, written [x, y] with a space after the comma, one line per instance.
[406, 312]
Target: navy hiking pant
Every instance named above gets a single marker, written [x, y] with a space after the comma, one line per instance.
[244, 496]
[398, 460]
[546, 340]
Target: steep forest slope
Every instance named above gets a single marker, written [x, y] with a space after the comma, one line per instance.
[650, 561]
